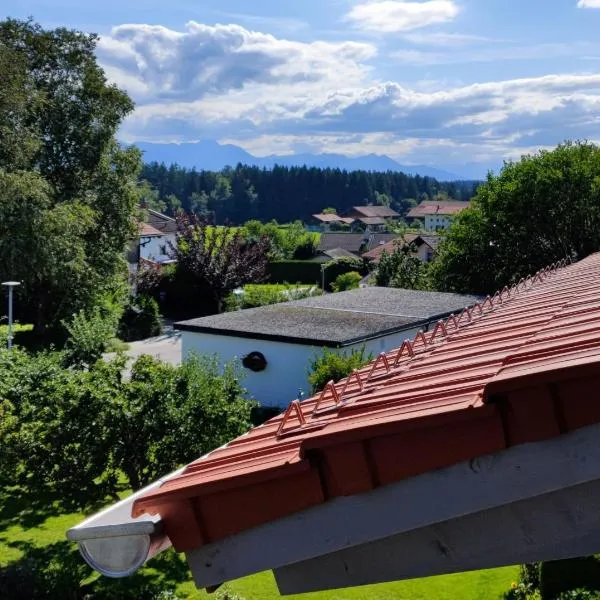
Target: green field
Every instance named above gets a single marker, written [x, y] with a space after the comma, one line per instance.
[39, 531]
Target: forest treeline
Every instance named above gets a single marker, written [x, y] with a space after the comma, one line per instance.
[287, 193]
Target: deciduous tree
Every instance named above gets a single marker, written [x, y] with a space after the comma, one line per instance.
[541, 209]
[218, 260]
[68, 191]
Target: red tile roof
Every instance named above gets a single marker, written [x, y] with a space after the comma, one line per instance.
[146, 230]
[328, 218]
[390, 247]
[522, 366]
[374, 211]
[433, 207]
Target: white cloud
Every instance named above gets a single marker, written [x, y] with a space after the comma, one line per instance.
[588, 3]
[155, 62]
[273, 95]
[390, 16]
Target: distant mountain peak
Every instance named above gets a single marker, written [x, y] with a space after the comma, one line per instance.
[212, 156]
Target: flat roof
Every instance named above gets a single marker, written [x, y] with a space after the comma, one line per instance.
[334, 320]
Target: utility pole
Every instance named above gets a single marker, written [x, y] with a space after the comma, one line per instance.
[11, 285]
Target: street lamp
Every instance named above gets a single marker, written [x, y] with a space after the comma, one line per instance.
[11, 285]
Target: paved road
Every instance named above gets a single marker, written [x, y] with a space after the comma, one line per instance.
[166, 347]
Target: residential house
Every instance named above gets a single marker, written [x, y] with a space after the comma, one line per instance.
[355, 243]
[157, 248]
[424, 245]
[373, 218]
[472, 446]
[324, 221]
[437, 214]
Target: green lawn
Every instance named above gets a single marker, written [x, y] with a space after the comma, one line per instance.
[38, 529]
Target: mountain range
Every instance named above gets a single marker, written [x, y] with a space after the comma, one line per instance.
[212, 156]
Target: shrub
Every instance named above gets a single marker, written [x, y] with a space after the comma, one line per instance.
[333, 269]
[140, 319]
[264, 294]
[334, 366]
[74, 432]
[346, 281]
[295, 271]
[89, 334]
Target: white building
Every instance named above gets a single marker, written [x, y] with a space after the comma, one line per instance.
[437, 215]
[161, 232]
[276, 343]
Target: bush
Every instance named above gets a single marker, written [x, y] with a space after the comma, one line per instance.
[72, 433]
[295, 271]
[334, 366]
[140, 319]
[335, 268]
[264, 294]
[346, 281]
[89, 334]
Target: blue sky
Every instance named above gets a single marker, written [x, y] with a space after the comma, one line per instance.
[452, 83]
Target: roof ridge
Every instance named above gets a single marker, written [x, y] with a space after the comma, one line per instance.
[419, 348]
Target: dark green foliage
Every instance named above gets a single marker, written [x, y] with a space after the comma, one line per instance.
[288, 193]
[294, 271]
[579, 594]
[170, 415]
[401, 269]
[89, 336]
[346, 281]
[67, 190]
[544, 208]
[140, 319]
[71, 432]
[331, 365]
[255, 295]
[57, 572]
[334, 268]
[559, 576]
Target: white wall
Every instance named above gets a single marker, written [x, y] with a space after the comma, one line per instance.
[287, 364]
[156, 248]
[435, 222]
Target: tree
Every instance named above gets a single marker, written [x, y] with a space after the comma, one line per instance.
[536, 211]
[75, 187]
[73, 431]
[333, 366]
[400, 269]
[218, 260]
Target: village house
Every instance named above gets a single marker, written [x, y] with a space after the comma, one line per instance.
[355, 243]
[437, 214]
[424, 246]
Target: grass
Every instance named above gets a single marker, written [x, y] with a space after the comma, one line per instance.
[39, 528]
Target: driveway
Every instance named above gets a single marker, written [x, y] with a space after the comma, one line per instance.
[165, 347]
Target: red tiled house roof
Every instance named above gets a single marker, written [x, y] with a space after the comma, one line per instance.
[146, 230]
[433, 207]
[373, 211]
[521, 367]
[390, 247]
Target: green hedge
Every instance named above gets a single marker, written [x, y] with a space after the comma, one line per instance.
[295, 271]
